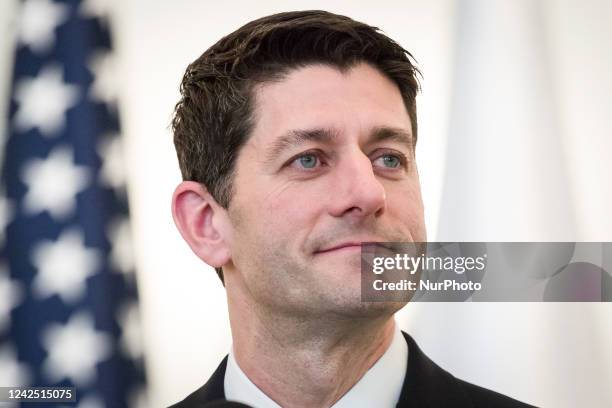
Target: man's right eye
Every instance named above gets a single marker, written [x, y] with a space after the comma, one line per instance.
[308, 161]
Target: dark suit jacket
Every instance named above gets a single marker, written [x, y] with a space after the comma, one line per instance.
[425, 385]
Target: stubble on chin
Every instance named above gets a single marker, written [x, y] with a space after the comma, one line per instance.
[296, 281]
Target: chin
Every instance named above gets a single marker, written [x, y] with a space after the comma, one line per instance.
[357, 309]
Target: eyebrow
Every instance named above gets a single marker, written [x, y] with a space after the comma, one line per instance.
[297, 137]
[392, 134]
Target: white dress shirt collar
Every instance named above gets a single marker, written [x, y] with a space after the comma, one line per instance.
[380, 386]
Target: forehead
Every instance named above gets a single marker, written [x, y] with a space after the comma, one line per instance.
[321, 96]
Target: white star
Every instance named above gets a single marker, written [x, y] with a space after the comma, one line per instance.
[6, 214]
[43, 100]
[96, 8]
[120, 236]
[110, 150]
[104, 87]
[63, 266]
[11, 293]
[38, 20]
[131, 340]
[74, 349]
[53, 183]
[13, 373]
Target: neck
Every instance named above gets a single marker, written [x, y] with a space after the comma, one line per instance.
[322, 358]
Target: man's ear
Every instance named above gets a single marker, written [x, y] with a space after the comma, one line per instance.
[202, 223]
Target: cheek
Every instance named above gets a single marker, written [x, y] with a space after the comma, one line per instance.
[286, 218]
[292, 206]
[406, 193]
[405, 205]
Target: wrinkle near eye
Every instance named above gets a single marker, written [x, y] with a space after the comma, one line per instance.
[279, 190]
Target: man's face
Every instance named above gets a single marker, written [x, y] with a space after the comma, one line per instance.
[329, 165]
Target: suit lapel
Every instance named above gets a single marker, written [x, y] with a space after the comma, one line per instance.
[428, 385]
[211, 391]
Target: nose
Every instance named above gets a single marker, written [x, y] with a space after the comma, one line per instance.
[356, 192]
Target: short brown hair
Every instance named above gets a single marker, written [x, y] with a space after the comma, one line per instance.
[214, 116]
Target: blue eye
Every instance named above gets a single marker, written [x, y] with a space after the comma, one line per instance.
[308, 161]
[391, 161]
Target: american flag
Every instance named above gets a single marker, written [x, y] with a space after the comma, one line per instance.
[69, 314]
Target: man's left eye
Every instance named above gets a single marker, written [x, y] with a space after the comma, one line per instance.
[391, 161]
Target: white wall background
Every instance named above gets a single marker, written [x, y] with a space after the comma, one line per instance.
[514, 130]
